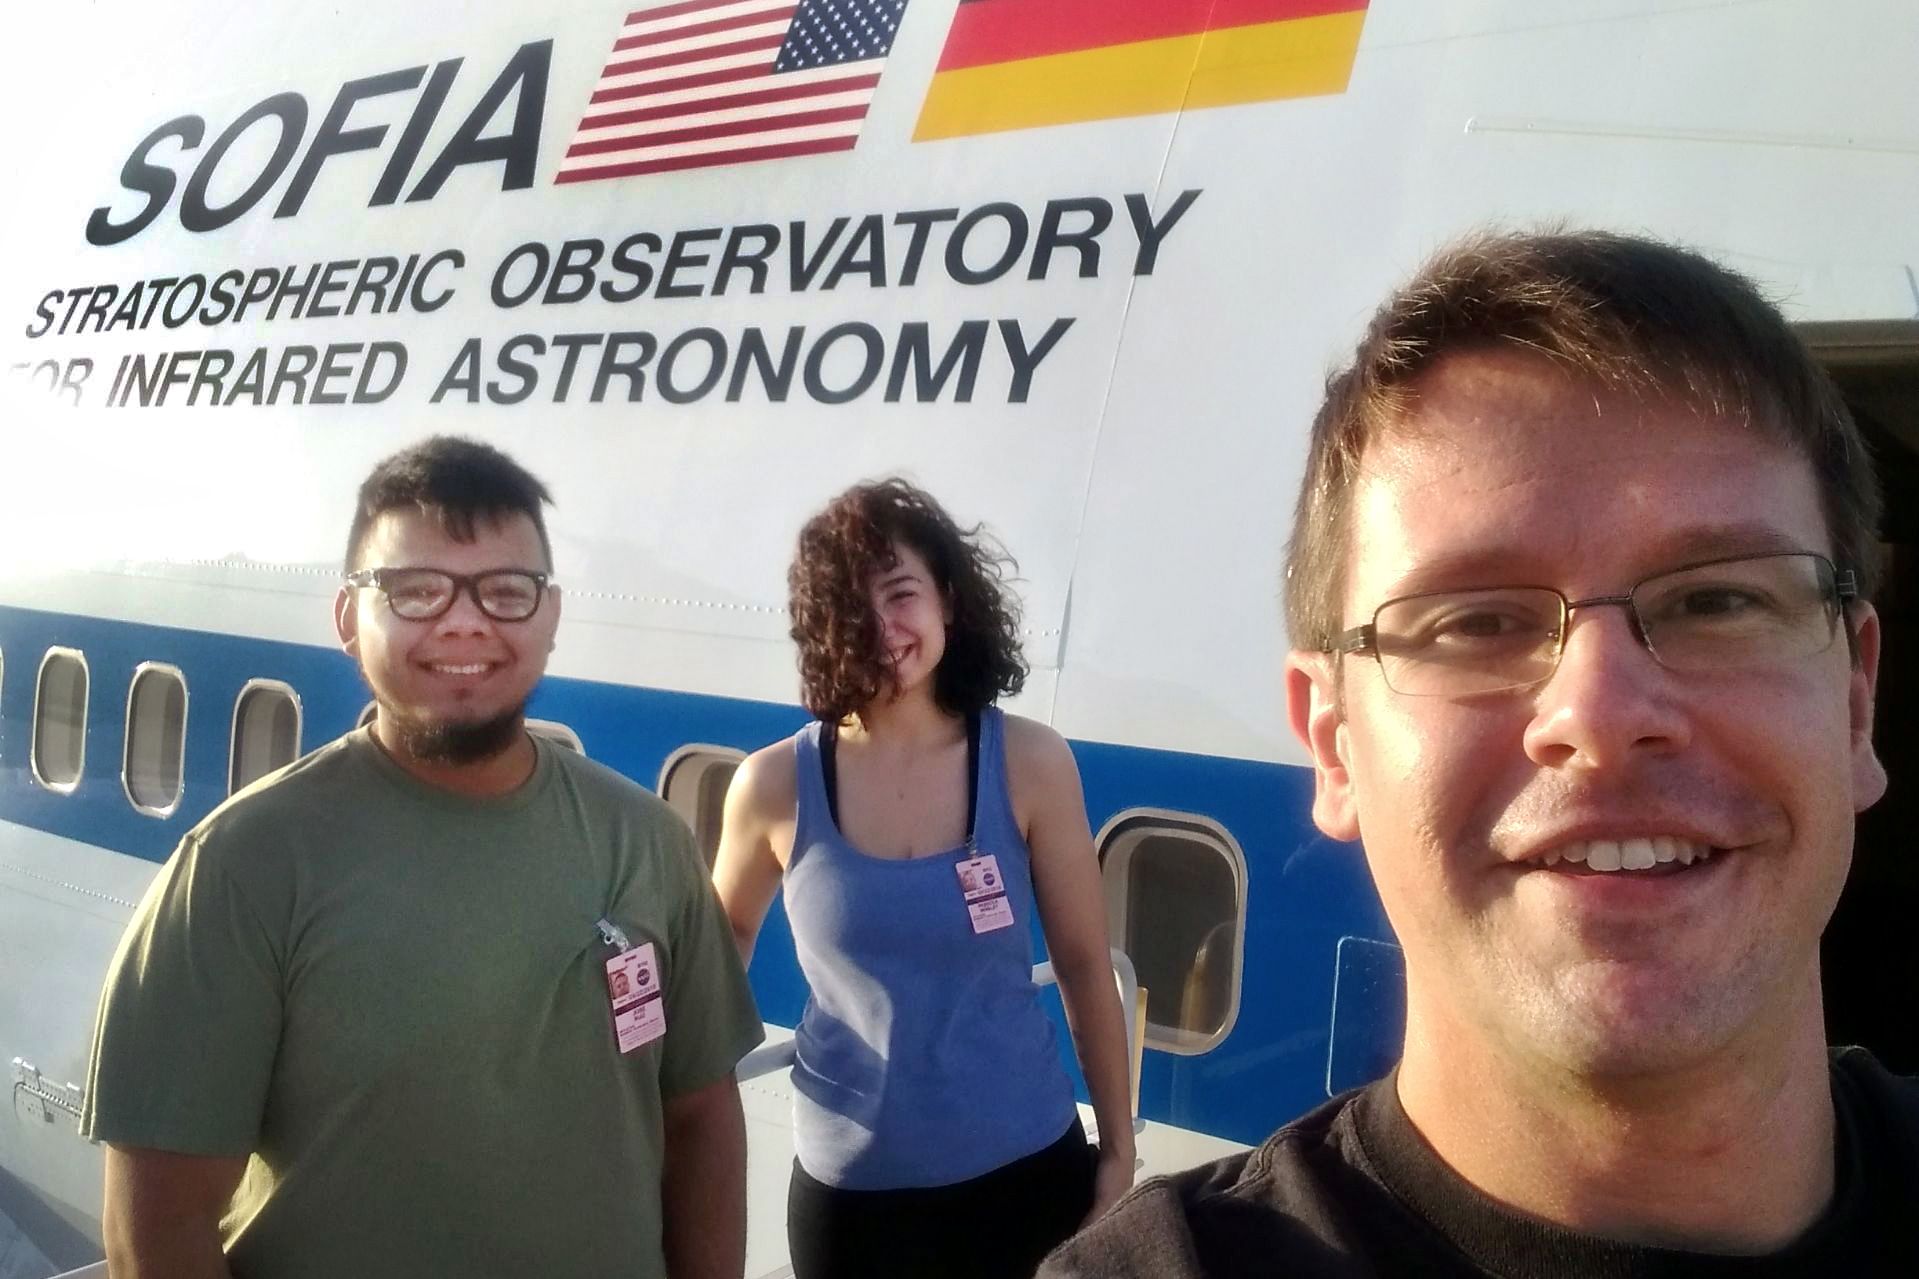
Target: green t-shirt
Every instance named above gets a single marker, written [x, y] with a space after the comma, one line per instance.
[395, 1000]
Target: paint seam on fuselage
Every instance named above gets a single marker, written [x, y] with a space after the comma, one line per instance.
[72, 888]
[769, 610]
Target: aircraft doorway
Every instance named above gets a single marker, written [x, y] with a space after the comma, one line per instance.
[1870, 955]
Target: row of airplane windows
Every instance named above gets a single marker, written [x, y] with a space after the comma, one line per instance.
[1175, 883]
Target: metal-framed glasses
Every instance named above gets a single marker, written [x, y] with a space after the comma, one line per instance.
[1743, 612]
[422, 594]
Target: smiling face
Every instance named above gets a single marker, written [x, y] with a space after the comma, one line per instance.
[913, 618]
[462, 671]
[1489, 822]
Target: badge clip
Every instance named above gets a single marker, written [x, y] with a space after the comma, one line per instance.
[612, 934]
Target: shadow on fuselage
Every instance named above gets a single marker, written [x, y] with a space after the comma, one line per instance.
[58, 1240]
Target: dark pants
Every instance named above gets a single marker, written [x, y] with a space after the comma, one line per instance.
[996, 1226]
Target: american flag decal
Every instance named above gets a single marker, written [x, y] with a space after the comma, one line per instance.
[705, 82]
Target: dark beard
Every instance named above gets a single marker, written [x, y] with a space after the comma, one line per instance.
[457, 743]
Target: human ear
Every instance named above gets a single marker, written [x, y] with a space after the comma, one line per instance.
[1868, 774]
[346, 621]
[1314, 709]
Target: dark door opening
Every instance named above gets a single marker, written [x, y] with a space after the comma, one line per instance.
[1870, 954]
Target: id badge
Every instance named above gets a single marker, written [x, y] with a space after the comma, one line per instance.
[984, 890]
[639, 1004]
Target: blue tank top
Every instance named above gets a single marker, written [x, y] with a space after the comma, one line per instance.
[923, 1057]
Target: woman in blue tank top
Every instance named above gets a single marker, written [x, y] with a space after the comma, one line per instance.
[916, 833]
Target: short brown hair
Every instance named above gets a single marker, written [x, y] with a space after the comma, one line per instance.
[1623, 312]
[843, 662]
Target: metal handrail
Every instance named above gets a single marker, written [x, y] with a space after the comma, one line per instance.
[774, 1057]
[765, 1060]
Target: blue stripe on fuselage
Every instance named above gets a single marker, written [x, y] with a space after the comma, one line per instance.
[1304, 892]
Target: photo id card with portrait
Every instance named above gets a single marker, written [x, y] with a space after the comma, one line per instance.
[639, 1004]
[984, 889]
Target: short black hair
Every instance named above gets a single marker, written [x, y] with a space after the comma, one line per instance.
[456, 481]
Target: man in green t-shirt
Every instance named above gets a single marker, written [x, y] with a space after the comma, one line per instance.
[439, 998]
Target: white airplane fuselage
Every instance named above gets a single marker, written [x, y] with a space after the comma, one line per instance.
[274, 245]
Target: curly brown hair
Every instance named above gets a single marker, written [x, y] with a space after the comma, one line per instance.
[843, 664]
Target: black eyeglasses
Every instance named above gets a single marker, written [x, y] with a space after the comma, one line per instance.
[422, 594]
[1754, 610]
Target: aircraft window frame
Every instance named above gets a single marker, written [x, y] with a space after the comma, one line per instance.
[143, 671]
[1117, 843]
[706, 755]
[557, 733]
[233, 732]
[367, 715]
[39, 693]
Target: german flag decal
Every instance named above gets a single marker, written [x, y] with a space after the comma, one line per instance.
[1020, 64]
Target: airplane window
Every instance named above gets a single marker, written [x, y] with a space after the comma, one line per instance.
[367, 715]
[59, 748]
[1176, 903]
[266, 732]
[694, 782]
[559, 734]
[156, 734]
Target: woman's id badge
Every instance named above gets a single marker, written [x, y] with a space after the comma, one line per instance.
[639, 1005]
[985, 892]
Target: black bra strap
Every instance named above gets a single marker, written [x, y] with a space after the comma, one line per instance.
[972, 775]
[830, 771]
